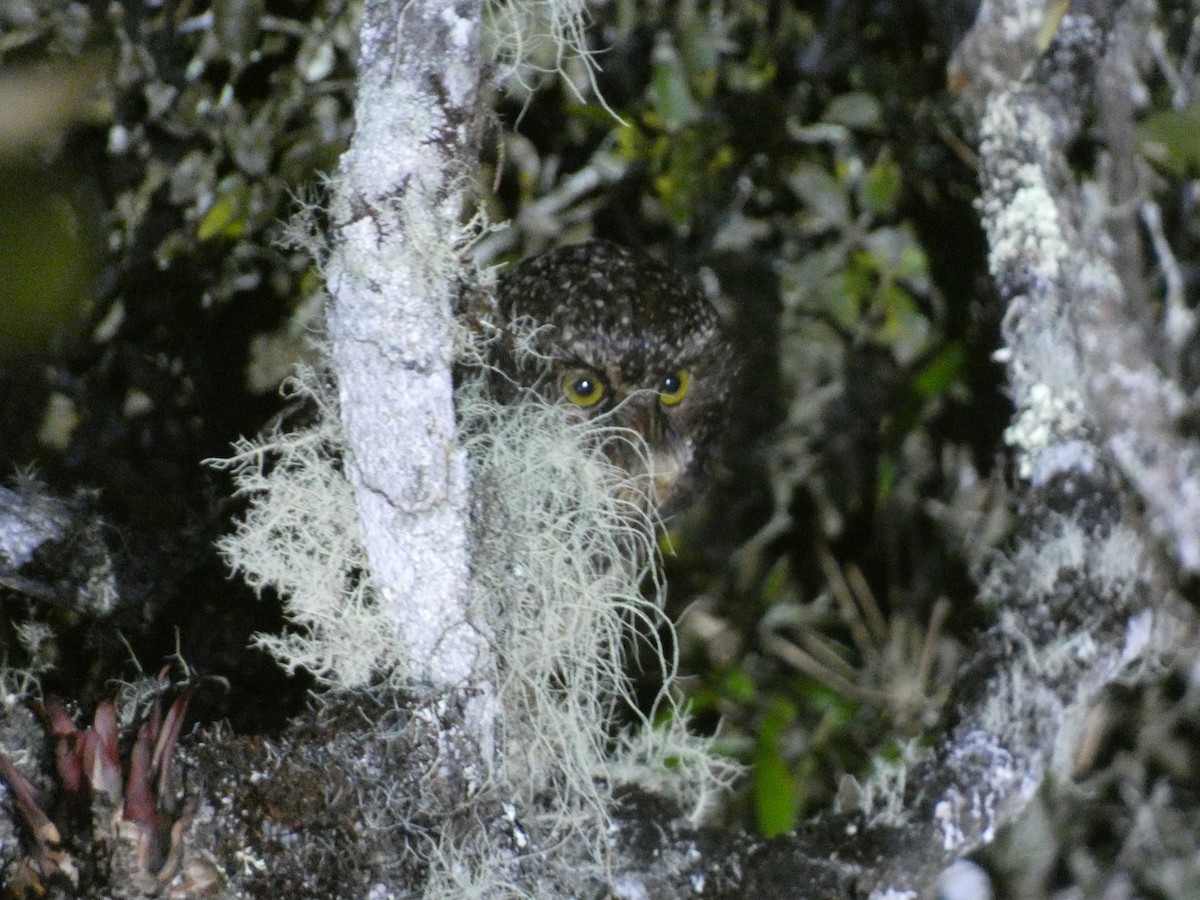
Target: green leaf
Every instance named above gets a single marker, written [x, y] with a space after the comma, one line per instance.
[678, 186]
[774, 795]
[44, 270]
[879, 190]
[777, 582]
[822, 194]
[905, 330]
[941, 372]
[700, 57]
[897, 254]
[855, 110]
[885, 477]
[1171, 140]
[674, 105]
[738, 686]
[227, 216]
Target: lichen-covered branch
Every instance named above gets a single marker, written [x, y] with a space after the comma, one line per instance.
[398, 200]
[1081, 596]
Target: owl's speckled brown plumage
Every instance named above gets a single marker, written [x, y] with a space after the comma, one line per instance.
[608, 313]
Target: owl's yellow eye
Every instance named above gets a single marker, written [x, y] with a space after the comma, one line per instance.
[583, 388]
[674, 387]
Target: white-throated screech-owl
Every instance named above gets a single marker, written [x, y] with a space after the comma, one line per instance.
[624, 337]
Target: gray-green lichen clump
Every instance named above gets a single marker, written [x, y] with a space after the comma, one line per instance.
[560, 556]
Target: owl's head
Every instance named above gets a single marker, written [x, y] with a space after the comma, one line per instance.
[622, 336]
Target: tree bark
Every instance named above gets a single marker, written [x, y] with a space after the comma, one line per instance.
[398, 203]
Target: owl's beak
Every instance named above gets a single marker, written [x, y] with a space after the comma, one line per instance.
[668, 455]
[666, 470]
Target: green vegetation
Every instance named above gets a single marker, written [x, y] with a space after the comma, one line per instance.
[806, 163]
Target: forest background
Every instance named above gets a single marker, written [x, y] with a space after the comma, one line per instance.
[814, 166]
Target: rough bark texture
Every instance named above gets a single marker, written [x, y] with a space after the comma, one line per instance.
[399, 199]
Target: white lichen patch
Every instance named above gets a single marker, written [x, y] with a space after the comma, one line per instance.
[1118, 563]
[946, 813]
[1044, 418]
[881, 796]
[1139, 632]
[1029, 248]
[964, 880]
[1069, 457]
[975, 809]
[1026, 230]
[300, 538]
[1110, 560]
[1022, 220]
[1023, 21]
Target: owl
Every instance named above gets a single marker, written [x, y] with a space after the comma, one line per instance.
[621, 337]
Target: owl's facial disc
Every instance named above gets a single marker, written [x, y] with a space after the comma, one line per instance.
[608, 325]
[667, 455]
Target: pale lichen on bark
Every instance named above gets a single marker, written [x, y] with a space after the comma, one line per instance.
[399, 196]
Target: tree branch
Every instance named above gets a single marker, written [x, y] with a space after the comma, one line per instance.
[1081, 597]
[399, 197]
